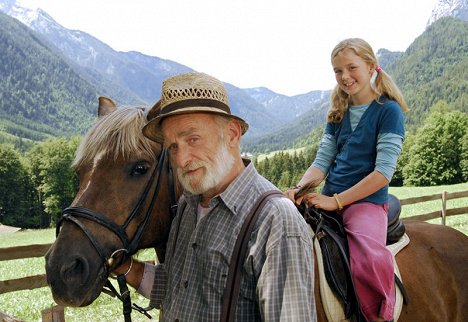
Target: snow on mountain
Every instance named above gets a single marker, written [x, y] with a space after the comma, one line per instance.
[450, 8]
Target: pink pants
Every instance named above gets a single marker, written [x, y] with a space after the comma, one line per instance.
[371, 262]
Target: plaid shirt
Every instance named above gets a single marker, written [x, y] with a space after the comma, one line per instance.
[277, 279]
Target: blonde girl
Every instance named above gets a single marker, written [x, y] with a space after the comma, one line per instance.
[357, 158]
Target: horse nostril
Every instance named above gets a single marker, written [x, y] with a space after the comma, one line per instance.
[76, 271]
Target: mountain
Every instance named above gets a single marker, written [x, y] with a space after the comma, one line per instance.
[127, 77]
[127, 72]
[291, 134]
[387, 58]
[301, 113]
[40, 94]
[449, 8]
[433, 68]
[287, 107]
[132, 77]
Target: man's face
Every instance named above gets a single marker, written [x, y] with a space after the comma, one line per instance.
[198, 148]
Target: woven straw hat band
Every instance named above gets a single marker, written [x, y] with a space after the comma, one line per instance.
[195, 102]
[189, 93]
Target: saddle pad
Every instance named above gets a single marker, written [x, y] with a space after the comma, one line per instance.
[331, 304]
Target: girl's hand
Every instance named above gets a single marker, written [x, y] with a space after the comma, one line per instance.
[291, 194]
[320, 201]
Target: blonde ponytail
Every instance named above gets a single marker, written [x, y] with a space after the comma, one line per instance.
[385, 86]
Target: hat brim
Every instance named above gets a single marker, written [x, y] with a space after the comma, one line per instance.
[152, 130]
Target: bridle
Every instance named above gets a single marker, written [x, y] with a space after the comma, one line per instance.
[129, 245]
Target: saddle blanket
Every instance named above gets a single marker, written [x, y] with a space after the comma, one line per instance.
[332, 305]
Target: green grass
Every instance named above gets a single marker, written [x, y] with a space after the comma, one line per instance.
[261, 157]
[459, 222]
[27, 305]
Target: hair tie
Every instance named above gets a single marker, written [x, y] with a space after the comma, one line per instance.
[378, 69]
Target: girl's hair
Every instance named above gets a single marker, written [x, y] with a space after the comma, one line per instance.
[384, 84]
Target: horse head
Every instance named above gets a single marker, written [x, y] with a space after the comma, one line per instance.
[123, 204]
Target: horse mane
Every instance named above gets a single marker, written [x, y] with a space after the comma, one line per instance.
[118, 133]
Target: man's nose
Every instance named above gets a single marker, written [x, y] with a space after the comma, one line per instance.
[182, 157]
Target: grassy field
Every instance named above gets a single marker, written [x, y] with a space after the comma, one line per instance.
[459, 222]
[27, 305]
[261, 157]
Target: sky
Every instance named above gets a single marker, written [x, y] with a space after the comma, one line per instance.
[282, 45]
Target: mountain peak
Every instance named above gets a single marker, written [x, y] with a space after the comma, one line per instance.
[450, 8]
[16, 10]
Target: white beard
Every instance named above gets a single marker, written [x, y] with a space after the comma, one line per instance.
[213, 176]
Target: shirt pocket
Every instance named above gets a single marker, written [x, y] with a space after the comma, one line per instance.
[215, 271]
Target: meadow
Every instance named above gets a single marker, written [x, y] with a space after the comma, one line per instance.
[27, 305]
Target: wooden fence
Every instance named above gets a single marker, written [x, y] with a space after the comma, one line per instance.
[56, 313]
[53, 314]
[444, 212]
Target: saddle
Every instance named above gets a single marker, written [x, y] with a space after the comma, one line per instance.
[329, 230]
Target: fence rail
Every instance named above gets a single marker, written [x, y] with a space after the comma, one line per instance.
[24, 283]
[444, 212]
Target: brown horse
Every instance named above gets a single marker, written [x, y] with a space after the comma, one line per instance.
[115, 162]
[122, 205]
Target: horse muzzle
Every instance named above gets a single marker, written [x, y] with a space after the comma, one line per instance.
[73, 279]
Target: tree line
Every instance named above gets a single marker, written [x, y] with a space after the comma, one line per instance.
[38, 183]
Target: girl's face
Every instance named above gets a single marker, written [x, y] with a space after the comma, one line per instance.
[353, 75]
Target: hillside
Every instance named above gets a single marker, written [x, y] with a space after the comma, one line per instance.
[133, 78]
[293, 134]
[433, 68]
[40, 94]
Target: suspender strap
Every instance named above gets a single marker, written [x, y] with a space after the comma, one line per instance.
[231, 293]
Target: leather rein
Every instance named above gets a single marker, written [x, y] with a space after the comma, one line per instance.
[129, 246]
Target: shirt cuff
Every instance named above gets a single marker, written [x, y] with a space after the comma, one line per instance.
[158, 291]
[146, 283]
[389, 147]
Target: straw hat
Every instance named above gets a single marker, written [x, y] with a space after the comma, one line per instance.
[188, 93]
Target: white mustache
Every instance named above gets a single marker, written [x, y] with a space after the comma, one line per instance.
[192, 166]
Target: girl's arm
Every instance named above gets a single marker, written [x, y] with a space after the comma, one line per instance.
[367, 186]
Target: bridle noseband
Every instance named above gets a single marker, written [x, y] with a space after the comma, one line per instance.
[129, 246]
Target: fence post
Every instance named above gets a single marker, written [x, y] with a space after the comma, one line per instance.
[444, 206]
[53, 314]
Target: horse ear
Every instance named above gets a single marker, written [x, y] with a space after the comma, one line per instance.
[106, 106]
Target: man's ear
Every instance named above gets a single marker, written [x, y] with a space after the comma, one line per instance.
[234, 132]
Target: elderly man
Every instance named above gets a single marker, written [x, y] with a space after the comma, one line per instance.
[195, 124]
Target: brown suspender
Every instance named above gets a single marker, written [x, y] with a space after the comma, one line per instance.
[231, 293]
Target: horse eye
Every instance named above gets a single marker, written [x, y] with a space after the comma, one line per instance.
[139, 169]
